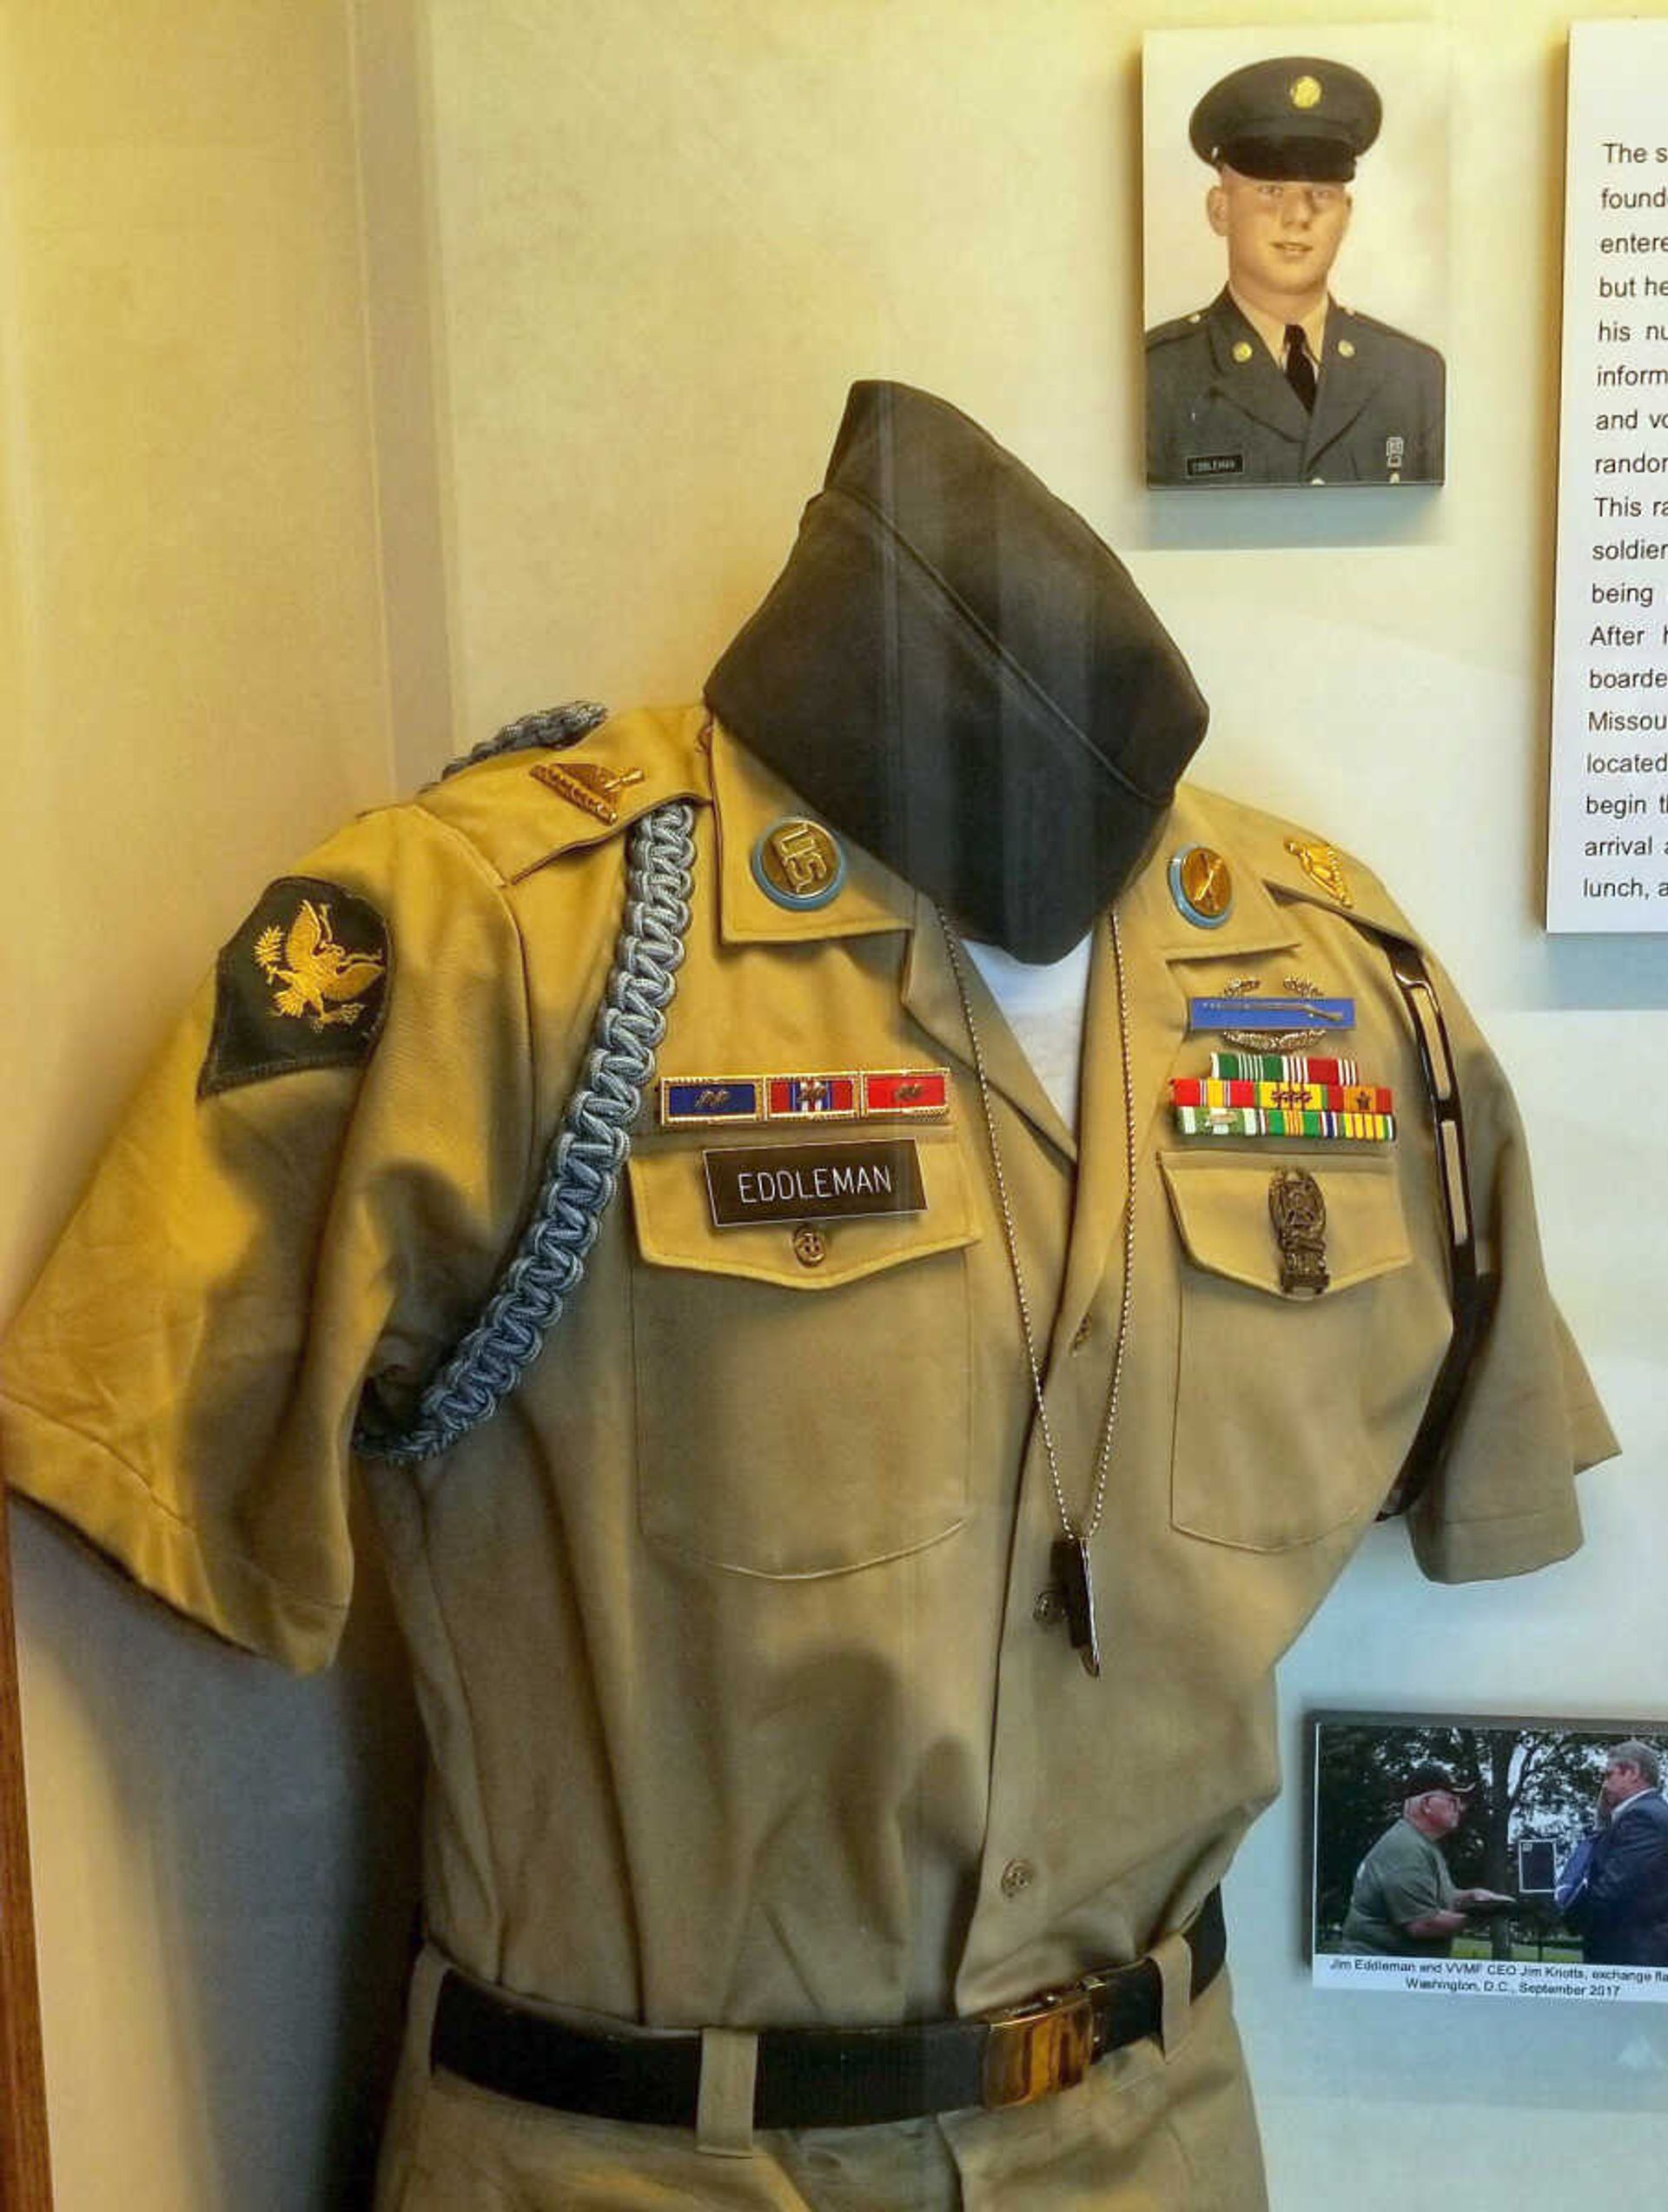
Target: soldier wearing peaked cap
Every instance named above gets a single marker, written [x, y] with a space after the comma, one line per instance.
[1274, 382]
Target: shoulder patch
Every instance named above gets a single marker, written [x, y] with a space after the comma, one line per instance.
[302, 984]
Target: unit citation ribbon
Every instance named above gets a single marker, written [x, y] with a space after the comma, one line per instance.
[841, 1095]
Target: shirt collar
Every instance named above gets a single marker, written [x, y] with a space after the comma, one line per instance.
[749, 802]
[1627, 1803]
[1272, 330]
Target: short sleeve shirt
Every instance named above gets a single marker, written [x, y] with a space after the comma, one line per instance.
[747, 1695]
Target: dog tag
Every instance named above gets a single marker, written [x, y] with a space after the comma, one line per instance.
[1069, 1563]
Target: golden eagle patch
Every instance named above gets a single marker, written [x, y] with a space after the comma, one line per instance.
[302, 984]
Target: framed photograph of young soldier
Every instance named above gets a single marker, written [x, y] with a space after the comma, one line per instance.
[1489, 1857]
[1295, 236]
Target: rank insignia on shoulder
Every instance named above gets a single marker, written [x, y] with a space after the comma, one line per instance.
[302, 984]
[1324, 865]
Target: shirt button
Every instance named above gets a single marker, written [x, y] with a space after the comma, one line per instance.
[1050, 1607]
[1085, 1329]
[810, 1247]
[1017, 1875]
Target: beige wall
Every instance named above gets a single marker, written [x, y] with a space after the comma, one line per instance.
[193, 682]
[619, 262]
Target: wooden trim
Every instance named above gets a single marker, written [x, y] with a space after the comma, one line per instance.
[25, 2171]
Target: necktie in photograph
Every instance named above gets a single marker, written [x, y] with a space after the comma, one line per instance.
[1300, 365]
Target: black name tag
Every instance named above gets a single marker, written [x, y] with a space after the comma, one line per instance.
[1216, 464]
[813, 1182]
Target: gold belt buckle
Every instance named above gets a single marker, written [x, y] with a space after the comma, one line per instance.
[1037, 2048]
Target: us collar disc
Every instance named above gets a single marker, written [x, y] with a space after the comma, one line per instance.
[1202, 883]
[798, 865]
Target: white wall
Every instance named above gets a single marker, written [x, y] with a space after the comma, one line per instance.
[278, 481]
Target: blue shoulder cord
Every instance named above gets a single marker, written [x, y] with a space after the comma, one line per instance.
[583, 1166]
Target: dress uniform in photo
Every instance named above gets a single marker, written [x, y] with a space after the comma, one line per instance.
[845, 1517]
[1275, 382]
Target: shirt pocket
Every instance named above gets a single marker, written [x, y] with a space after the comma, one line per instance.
[1293, 1412]
[799, 1419]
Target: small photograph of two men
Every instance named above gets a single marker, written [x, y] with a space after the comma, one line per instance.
[1490, 1858]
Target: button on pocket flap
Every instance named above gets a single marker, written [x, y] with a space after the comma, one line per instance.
[672, 1207]
[1220, 1206]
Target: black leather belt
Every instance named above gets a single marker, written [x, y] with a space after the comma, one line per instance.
[819, 2077]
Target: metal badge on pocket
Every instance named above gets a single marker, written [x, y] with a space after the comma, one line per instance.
[1299, 1213]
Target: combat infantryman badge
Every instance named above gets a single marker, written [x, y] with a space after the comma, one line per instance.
[302, 984]
[1272, 1024]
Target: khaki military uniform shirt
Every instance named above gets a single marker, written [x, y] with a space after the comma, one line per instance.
[741, 1703]
[1220, 410]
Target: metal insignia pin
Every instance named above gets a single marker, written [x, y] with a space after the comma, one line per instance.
[1324, 865]
[797, 864]
[1202, 883]
[588, 786]
[1299, 1213]
[1274, 1040]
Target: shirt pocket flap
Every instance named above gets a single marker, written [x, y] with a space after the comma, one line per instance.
[675, 1227]
[1221, 1207]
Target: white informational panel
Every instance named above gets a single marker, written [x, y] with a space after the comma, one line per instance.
[1608, 861]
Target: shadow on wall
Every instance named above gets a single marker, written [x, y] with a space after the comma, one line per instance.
[275, 1822]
